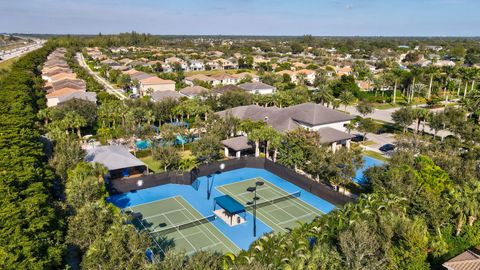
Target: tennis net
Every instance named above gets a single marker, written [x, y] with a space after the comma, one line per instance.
[276, 200]
[181, 226]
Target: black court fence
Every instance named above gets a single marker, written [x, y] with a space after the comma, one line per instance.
[322, 190]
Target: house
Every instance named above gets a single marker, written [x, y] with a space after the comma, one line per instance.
[193, 91]
[468, 260]
[292, 74]
[118, 160]
[347, 71]
[162, 95]
[196, 65]
[62, 76]
[329, 123]
[155, 84]
[59, 96]
[258, 88]
[364, 85]
[226, 88]
[309, 75]
[200, 77]
[224, 78]
[244, 75]
[75, 84]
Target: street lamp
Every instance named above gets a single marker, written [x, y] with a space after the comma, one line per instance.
[209, 191]
[254, 203]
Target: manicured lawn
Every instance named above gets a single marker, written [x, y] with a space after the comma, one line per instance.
[375, 155]
[8, 63]
[152, 164]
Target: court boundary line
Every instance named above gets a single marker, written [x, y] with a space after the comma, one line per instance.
[130, 206]
[215, 228]
[306, 207]
[183, 235]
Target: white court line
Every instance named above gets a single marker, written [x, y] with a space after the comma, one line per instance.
[153, 202]
[163, 213]
[295, 219]
[206, 227]
[183, 236]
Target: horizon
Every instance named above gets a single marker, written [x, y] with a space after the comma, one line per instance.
[329, 18]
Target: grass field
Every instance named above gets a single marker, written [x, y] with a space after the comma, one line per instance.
[375, 155]
[8, 63]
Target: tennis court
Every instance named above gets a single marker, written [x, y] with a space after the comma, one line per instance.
[283, 213]
[174, 218]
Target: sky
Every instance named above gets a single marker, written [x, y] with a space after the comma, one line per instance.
[244, 17]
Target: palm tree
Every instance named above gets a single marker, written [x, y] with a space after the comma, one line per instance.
[346, 97]
[256, 135]
[323, 95]
[100, 171]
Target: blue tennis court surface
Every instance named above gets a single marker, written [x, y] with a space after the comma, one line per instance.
[303, 208]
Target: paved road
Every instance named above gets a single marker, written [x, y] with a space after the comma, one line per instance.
[386, 116]
[5, 55]
[108, 87]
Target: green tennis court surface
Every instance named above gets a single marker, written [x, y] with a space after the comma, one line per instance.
[162, 217]
[281, 215]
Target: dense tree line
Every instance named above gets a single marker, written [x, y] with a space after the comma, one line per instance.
[31, 221]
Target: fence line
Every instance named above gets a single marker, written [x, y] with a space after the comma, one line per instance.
[187, 178]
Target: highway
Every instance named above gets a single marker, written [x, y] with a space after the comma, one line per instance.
[108, 87]
[9, 54]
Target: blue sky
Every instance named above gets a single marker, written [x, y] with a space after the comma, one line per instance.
[244, 17]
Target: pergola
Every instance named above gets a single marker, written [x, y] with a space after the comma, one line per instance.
[230, 205]
[237, 144]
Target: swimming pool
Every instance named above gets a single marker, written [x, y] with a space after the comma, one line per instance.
[368, 162]
[142, 145]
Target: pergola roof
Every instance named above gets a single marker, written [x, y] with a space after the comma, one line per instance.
[230, 205]
[238, 143]
[330, 135]
[113, 157]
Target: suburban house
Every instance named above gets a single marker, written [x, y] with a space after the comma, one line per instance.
[245, 75]
[193, 91]
[162, 95]
[226, 88]
[155, 84]
[343, 71]
[61, 76]
[258, 88]
[75, 84]
[118, 160]
[329, 123]
[308, 74]
[59, 96]
[468, 260]
[292, 74]
[200, 77]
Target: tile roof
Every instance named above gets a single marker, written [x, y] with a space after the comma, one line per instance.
[161, 95]
[194, 90]
[155, 80]
[468, 260]
[238, 143]
[290, 118]
[256, 86]
[62, 92]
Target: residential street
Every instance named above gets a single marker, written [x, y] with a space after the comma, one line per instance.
[386, 116]
[108, 87]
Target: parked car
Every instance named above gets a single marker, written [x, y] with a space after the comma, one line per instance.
[358, 138]
[387, 147]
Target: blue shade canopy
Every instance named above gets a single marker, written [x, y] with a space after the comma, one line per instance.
[230, 205]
